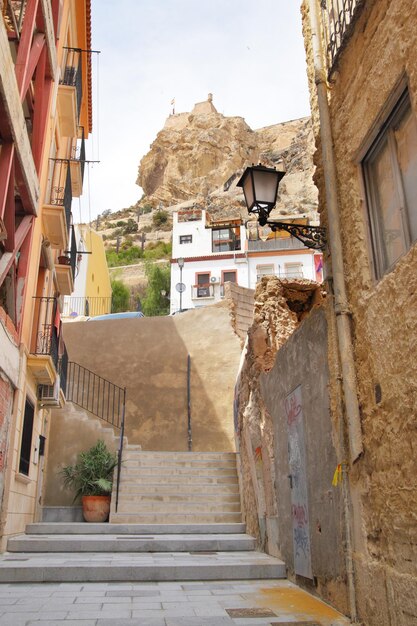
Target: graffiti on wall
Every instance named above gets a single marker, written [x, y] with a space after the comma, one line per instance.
[298, 483]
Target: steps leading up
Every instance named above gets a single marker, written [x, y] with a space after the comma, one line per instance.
[178, 519]
[177, 487]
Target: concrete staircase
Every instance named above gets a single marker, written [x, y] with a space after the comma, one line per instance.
[177, 488]
[178, 520]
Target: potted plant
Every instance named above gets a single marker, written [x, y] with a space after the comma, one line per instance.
[91, 478]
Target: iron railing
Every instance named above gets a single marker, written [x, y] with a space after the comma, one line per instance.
[63, 370]
[295, 273]
[120, 451]
[46, 339]
[339, 17]
[73, 251]
[61, 189]
[203, 291]
[95, 394]
[90, 306]
[73, 74]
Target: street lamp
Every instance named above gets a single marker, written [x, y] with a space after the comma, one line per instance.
[260, 188]
[180, 262]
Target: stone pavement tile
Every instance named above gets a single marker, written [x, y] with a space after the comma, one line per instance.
[120, 613]
[16, 619]
[67, 622]
[200, 621]
[150, 606]
[5, 601]
[133, 593]
[137, 621]
[62, 593]
[198, 592]
[210, 611]
[102, 600]
[163, 613]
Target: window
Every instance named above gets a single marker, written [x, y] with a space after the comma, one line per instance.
[264, 270]
[203, 285]
[26, 445]
[229, 276]
[186, 239]
[293, 270]
[390, 173]
[225, 239]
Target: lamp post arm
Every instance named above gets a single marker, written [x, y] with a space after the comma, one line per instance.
[311, 236]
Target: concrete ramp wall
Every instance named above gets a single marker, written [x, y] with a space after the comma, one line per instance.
[149, 357]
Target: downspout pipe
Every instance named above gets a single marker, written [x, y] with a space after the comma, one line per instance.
[339, 298]
[341, 306]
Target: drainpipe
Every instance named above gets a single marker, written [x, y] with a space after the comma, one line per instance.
[341, 313]
[340, 298]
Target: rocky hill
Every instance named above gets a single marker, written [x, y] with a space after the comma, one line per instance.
[196, 160]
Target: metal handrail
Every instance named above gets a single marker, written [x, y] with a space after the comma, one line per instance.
[96, 394]
[120, 451]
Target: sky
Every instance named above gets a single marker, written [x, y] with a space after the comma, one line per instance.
[249, 55]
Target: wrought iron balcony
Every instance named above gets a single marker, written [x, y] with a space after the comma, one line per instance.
[339, 18]
[73, 74]
[61, 189]
[63, 370]
[43, 358]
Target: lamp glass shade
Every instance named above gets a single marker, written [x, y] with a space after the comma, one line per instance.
[248, 190]
[180, 262]
[265, 186]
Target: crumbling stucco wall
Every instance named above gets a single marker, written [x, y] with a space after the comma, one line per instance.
[379, 53]
[287, 346]
[240, 301]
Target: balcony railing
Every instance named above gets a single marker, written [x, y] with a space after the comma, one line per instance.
[73, 74]
[63, 370]
[279, 243]
[339, 17]
[203, 291]
[46, 340]
[295, 273]
[61, 189]
[80, 305]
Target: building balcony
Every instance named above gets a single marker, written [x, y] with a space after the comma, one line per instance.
[65, 269]
[70, 94]
[202, 291]
[77, 165]
[43, 357]
[56, 213]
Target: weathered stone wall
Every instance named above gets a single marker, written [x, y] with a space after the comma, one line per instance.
[287, 346]
[379, 53]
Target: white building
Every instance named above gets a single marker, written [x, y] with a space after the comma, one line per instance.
[217, 251]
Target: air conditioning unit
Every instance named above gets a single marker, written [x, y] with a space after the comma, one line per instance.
[49, 394]
[214, 279]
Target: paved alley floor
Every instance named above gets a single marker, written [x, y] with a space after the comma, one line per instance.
[267, 602]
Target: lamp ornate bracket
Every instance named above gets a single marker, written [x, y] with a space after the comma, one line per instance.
[311, 236]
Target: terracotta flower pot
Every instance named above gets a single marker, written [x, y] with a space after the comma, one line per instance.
[96, 508]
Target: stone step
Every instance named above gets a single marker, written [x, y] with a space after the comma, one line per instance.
[210, 490]
[169, 456]
[131, 543]
[123, 567]
[77, 528]
[164, 470]
[131, 505]
[174, 518]
[148, 479]
[138, 461]
[179, 498]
